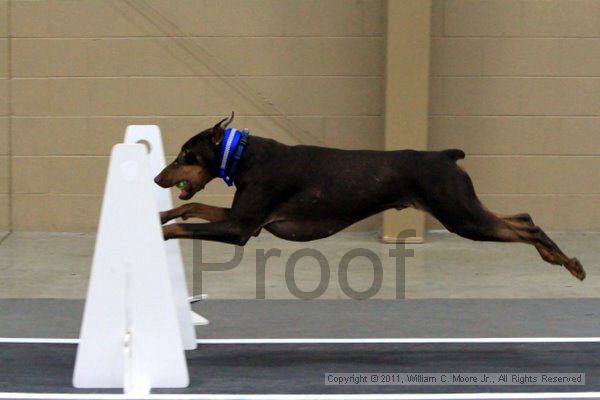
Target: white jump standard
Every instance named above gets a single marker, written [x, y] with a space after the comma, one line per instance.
[137, 320]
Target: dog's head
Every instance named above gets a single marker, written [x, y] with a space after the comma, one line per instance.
[197, 162]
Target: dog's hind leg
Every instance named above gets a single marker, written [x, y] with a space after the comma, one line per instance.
[195, 210]
[528, 232]
[462, 213]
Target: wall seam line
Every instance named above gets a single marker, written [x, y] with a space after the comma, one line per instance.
[9, 116]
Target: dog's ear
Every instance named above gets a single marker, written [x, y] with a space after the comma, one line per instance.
[219, 129]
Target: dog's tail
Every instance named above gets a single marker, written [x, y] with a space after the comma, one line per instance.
[454, 154]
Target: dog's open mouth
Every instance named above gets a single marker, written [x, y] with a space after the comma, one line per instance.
[186, 189]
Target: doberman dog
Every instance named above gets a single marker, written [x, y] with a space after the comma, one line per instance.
[303, 193]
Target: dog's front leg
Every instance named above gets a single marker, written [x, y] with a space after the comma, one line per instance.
[227, 231]
[195, 210]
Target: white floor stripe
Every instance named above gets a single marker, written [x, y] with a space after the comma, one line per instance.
[39, 340]
[591, 339]
[440, 396]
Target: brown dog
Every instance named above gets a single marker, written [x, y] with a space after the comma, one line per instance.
[303, 193]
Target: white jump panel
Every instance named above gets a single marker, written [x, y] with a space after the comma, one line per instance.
[156, 155]
[130, 335]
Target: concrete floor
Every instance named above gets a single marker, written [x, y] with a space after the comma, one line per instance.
[421, 318]
[506, 291]
[57, 265]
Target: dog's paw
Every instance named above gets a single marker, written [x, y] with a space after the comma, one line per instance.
[164, 217]
[168, 231]
[575, 268]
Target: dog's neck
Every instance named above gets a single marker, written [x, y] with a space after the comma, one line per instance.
[232, 147]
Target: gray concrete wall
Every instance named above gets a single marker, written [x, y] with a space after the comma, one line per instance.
[517, 85]
[514, 83]
[83, 70]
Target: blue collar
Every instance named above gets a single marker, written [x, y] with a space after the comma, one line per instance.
[232, 147]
